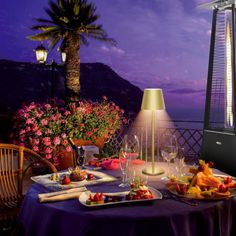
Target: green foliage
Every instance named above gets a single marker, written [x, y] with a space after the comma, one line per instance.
[76, 17]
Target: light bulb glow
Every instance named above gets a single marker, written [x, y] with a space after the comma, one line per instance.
[228, 80]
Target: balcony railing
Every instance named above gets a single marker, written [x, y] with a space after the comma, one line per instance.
[188, 133]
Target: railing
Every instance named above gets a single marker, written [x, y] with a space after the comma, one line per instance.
[188, 138]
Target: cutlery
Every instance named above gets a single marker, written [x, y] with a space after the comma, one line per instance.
[168, 195]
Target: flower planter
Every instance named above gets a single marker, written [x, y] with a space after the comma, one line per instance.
[67, 159]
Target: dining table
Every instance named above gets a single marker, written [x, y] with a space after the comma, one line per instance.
[169, 216]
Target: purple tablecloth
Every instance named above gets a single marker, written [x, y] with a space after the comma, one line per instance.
[164, 217]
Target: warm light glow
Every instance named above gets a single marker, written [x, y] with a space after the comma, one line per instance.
[41, 54]
[153, 99]
[228, 80]
[63, 57]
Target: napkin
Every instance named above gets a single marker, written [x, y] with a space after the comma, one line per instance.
[138, 162]
[61, 195]
[111, 164]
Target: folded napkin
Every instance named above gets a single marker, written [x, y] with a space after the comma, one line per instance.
[61, 195]
[111, 164]
[138, 162]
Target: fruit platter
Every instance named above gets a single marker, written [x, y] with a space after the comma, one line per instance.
[138, 192]
[203, 184]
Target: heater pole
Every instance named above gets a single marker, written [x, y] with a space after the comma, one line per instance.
[210, 71]
[233, 65]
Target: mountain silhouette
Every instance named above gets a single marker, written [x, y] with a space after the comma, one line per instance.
[24, 82]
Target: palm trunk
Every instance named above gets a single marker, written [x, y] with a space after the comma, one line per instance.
[72, 68]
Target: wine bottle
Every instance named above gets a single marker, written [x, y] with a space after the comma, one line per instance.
[79, 153]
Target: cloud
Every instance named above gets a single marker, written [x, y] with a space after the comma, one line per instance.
[112, 49]
[187, 91]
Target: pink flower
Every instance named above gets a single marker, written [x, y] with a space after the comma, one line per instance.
[35, 148]
[48, 150]
[47, 106]
[53, 118]
[66, 113]
[46, 141]
[44, 121]
[63, 135]
[89, 133]
[48, 131]
[32, 106]
[34, 127]
[56, 141]
[29, 121]
[104, 98]
[48, 156]
[39, 114]
[27, 129]
[38, 133]
[35, 141]
[22, 131]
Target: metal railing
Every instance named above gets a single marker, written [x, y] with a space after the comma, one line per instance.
[190, 139]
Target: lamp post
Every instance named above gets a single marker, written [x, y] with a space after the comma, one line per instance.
[153, 100]
[41, 55]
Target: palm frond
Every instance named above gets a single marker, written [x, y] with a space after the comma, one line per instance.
[53, 42]
[42, 27]
[40, 20]
[83, 40]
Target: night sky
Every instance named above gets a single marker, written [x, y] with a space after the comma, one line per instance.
[161, 43]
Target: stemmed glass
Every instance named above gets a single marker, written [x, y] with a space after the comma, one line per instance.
[128, 152]
[180, 163]
[124, 162]
[130, 145]
[168, 149]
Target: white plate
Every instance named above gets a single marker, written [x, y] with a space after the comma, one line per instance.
[100, 177]
[85, 195]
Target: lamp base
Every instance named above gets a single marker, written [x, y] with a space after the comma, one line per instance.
[157, 171]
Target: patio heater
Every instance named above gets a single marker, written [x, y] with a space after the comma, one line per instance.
[219, 135]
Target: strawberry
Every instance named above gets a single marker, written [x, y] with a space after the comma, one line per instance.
[228, 180]
[97, 164]
[90, 176]
[96, 197]
[222, 188]
[210, 164]
[181, 189]
[66, 179]
[178, 188]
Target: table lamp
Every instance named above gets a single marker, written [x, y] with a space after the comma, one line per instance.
[153, 100]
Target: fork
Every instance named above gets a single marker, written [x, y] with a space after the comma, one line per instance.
[168, 195]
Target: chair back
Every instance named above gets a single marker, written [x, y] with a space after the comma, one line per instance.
[12, 171]
[11, 167]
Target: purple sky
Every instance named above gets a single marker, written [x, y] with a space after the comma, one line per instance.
[161, 43]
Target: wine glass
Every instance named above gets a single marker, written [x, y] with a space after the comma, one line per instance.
[130, 145]
[124, 162]
[168, 149]
[180, 163]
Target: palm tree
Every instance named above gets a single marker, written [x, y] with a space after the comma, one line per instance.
[71, 23]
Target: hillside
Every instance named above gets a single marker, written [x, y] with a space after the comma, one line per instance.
[26, 82]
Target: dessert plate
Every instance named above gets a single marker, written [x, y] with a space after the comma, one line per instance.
[45, 180]
[85, 195]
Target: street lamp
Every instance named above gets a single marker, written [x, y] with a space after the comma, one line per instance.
[41, 55]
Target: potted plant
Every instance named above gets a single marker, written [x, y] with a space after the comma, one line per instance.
[46, 128]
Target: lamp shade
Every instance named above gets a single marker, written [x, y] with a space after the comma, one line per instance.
[153, 99]
[41, 53]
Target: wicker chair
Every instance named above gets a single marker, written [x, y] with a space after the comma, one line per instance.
[15, 162]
